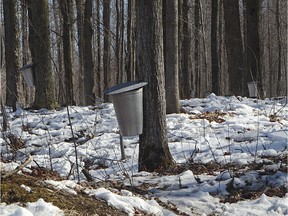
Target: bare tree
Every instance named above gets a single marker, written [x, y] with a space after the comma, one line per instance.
[131, 27]
[251, 48]
[66, 10]
[80, 25]
[171, 56]
[87, 55]
[106, 54]
[196, 52]
[234, 46]
[39, 42]
[11, 51]
[185, 72]
[153, 145]
[214, 48]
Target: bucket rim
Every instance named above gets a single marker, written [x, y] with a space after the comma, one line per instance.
[125, 87]
[26, 67]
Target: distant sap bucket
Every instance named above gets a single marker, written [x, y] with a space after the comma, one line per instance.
[252, 87]
[28, 74]
[128, 104]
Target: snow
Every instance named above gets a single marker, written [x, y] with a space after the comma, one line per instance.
[245, 137]
[39, 208]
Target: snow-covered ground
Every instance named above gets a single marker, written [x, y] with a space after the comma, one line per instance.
[214, 130]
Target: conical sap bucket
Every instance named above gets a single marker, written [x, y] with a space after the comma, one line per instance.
[252, 87]
[28, 74]
[127, 99]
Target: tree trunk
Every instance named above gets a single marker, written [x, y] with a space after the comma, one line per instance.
[171, 56]
[106, 54]
[99, 76]
[279, 77]
[197, 48]
[39, 42]
[130, 61]
[80, 74]
[87, 55]
[119, 39]
[66, 7]
[26, 58]
[214, 48]
[153, 144]
[252, 47]
[11, 51]
[185, 56]
[234, 46]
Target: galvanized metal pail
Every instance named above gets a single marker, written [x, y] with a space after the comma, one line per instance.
[28, 74]
[127, 99]
[252, 87]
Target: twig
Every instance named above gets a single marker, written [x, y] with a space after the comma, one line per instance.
[7, 175]
[75, 146]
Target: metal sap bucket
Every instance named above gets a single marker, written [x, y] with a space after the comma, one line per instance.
[253, 91]
[127, 99]
[28, 74]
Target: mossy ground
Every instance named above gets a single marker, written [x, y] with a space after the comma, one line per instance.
[12, 192]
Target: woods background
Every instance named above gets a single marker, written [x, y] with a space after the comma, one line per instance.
[81, 47]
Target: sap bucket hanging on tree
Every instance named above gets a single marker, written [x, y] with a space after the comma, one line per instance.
[28, 74]
[128, 104]
[252, 87]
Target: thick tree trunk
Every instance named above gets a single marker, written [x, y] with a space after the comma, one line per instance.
[171, 56]
[234, 46]
[66, 7]
[11, 52]
[153, 145]
[87, 55]
[252, 47]
[39, 42]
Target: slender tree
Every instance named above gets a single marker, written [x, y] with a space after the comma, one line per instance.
[153, 145]
[11, 51]
[196, 52]
[214, 48]
[80, 25]
[131, 27]
[99, 75]
[106, 54]
[171, 56]
[234, 46]
[39, 42]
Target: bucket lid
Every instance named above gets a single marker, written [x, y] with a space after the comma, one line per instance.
[125, 87]
[26, 66]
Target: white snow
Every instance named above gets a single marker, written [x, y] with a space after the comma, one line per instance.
[245, 137]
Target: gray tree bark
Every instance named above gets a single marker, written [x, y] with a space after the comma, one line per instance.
[234, 46]
[11, 52]
[39, 42]
[171, 56]
[66, 7]
[87, 55]
[153, 145]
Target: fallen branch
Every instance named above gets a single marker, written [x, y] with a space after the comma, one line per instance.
[9, 174]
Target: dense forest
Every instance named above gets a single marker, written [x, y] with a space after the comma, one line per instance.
[79, 48]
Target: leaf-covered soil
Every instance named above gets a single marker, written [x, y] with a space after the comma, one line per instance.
[12, 192]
